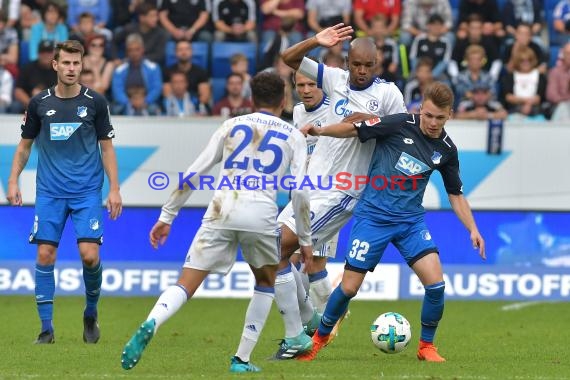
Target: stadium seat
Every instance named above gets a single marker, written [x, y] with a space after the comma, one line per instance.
[170, 52]
[218, 88]
[501, 6]
[316, 52]
[549, 5]
[24, 57]
[200, 54]
[554, 52]
[554, 37]
[454, 4]
[223, 51]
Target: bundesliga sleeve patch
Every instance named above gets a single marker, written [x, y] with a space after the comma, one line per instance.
[372, 122]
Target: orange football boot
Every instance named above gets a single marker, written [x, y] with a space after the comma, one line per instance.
[319, 341]
[428, 352]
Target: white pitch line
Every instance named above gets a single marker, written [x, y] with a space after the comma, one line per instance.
[520, 305]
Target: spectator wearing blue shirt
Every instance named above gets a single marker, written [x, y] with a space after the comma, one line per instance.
[136, 72]
[562, 20]
[98, 8]
[50, 28]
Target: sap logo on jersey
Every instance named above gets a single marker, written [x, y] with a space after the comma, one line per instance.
[340, 108]
[62, 131]
[410, 165]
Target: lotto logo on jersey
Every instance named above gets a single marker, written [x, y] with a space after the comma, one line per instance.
[410, 165]
[62, 131]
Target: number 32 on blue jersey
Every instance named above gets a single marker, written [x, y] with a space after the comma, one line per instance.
[266, 144]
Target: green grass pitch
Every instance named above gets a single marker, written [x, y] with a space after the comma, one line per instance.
[480, 340]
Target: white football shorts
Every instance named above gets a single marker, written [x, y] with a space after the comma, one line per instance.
[330, 211]
[215, 250]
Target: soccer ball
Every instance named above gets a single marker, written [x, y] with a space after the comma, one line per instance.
[391, 332]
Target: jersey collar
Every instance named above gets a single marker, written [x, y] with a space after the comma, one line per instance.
[316, 107]
[354, 88]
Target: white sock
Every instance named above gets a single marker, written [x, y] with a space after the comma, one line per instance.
[286, 299]
[320, 293]
[255, 317]
[169, 302]
[305, 305]
[304, 277]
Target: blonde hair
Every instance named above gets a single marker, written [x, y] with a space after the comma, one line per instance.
[523, 53]
[475, 49]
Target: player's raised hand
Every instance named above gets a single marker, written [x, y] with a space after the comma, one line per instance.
[114, 204]
[478, 242]
[333, 35]
[159, 233]
[14, 196]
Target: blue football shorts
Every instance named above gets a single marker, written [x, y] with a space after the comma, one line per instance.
[369, 239]
[51, 214]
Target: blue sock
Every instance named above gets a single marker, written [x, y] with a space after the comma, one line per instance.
[318, 276]
[336, 306]
[432, 310]
[93, 277]
[45, 290]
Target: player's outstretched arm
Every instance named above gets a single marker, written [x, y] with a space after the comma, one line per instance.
[463, 211]
[18, 164]
[355, 117]
[114, 201]
[327, 37]
[340, 130]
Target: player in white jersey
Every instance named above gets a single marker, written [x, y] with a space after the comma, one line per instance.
[313, 109]
[253, 150]
[314, 288]
[355, 91]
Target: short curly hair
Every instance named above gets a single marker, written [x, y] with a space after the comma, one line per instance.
[268, 90]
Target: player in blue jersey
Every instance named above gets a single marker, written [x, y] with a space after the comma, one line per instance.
[72, 131]
[409, 147]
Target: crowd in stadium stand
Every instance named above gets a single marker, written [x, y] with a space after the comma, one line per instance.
[503, 58]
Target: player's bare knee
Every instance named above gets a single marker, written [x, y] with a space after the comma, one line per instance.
[349, 289]
[46, 254]
[90, 260]
[89, 254]
[265, 276]
[289, 242]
